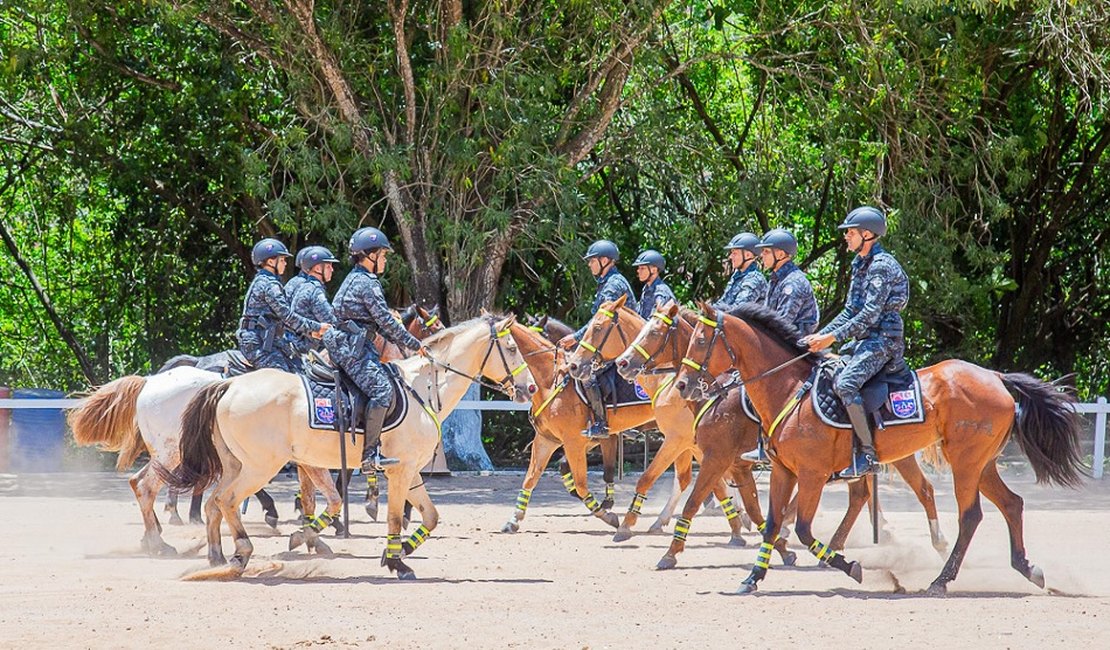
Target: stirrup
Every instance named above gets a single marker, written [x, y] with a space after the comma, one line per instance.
[377, 463]
[863, 463]
[757, 455]
[596, 431]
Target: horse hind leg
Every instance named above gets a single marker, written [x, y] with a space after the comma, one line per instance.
[966, 483]
[923, 489]
[667, 455]
[859, 493]
[1012, 506]
[174, 518]
[146, 485]
[268, 507]
[306, 534]
[609, 468]
[713, 467]
[195, 504]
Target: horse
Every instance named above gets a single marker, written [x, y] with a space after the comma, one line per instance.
[553, 330]
[722, 431]
[971, 410]
[238, 432]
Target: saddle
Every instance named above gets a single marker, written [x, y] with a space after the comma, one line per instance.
[891, 397]
[322, 381]
[615, 390]
[236, 365]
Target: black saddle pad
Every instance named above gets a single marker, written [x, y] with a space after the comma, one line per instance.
[890, 397]
[319, 384]
[615, 391]
[749, 408]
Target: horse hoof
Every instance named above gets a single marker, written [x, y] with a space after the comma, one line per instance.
[323, 549]
[372, 510]
[790, 559]
[216, 560]
[510, 527]
[656, 529]
[272, 520]
[296, 539]
[406, 575]
[667, 562]
[1036, 576]
[611, 519]
[607, 504]
[855, 572]
[622, 535]
[936, 589]
[746, 521]
[297, 506]
[165, 550]
[175, 520]
[737, 541]
[340, 529]
[196, 521]
[746, 588]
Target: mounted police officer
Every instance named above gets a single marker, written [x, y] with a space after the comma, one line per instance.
[649, 265]
[311, 297]
[361, 311]
[871, 322]
[747, 283]
[298, 279]
[267, 313]
[789, 293]
[601, 256]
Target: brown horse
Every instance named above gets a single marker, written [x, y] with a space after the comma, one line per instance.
[722, 432]
[971, 410]
[609, 334]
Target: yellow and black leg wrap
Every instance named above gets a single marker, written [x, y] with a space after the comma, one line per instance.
[568, 482]
[637, 503]
[418, 537]
[392, 547]
[681, 529]
[306, 521]
[763, 558]
[730, 508]
[822, 552]
[610, 492]
[323, 521]
[762, 527]
[591, 502]
[522, 500]
[372, 480]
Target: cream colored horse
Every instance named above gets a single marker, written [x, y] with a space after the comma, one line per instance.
[238, 433]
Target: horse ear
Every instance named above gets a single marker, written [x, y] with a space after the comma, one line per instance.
[483, 312]
[619, 302]
[671, 309]
[434, 310]
[543, 321]
[424, 315]
[705, 307]
[506, 323]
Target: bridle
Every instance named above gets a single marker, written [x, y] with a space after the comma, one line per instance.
[714, 386]
[597, 364]
[671, 335]
[505, 386]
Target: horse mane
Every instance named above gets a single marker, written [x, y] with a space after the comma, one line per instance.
[445, 336]
[772, 323]
[408, 315]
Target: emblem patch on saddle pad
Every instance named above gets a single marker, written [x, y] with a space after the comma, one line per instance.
[903, 403]
[324, 410]
[640, 392]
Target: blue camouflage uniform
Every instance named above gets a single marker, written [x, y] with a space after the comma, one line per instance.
[311, 301]
[610, 286]
[743, 287]
[871, 320]
[654, 296]
[266, 315]
[790, 294]
[361, 310]
[301, 344]
[295, 283]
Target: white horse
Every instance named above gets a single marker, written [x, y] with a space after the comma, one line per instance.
[239, 432]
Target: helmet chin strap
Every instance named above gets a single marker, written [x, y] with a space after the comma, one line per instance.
[603, 268]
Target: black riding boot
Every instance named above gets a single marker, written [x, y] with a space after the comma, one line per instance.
[372, 460]
[599, 427]
[863, 461]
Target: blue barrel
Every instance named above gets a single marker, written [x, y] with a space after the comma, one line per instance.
[38, 434]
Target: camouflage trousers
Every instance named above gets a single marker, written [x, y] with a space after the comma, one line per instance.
[868, 357]
[366, 371]
[276, 357]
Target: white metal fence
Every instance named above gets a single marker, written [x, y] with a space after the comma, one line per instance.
[1099, 408]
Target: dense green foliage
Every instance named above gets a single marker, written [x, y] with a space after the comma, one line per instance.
[145, 145]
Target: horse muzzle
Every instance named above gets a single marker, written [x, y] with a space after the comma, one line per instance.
[579, 371]
[625, 369]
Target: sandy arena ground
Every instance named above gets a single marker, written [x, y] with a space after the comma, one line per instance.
[72, 575]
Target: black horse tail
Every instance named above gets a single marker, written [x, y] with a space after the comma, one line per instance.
[1047, 428]
[200, 462]
[178, 361]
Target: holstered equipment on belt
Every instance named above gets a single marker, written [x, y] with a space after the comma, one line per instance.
[270, 331]
[360, 331]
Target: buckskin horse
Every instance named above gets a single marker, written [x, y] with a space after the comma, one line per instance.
[238, 432]
[971, 410]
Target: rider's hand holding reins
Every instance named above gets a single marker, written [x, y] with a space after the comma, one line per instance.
[818, 342]
[319, 334]
[423, 351]
[568, 342]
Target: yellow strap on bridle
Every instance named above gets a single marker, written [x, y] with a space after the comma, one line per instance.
[687, 361]
[432, 321]
[547, 401]
[705, 407]
[503, 333]
[535, 328]
[587, 346]
[663, 317]
[519, 369]
[710, 323]
[607, 313]
[637, 347]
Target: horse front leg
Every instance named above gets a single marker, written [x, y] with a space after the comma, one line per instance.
[543, 447]
[671, 449]
[400, 479]
[576, 456]
[782, 485]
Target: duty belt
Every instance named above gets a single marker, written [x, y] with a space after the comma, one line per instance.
[360, 331]
[271, 331]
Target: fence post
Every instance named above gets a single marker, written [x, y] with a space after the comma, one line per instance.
[1100, 437]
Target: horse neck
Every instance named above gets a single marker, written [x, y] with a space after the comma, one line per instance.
[539, 354]
[465, 353]
[756, 353]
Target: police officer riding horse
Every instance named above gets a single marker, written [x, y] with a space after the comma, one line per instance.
[601, 256]
[870, 325]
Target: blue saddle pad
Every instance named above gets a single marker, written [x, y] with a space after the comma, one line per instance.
[890, 398]
[615, 391]
[321, 401]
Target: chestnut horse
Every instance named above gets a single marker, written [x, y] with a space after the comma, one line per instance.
[723, 431]
[971, 410]
[240, 431]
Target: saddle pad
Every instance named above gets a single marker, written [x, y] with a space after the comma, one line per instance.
[321, 403]
[892, 398]
[615, 391]
[749, 408]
